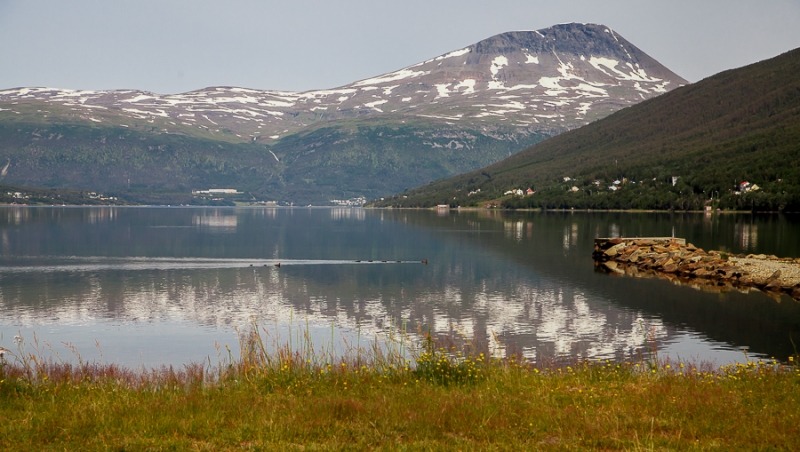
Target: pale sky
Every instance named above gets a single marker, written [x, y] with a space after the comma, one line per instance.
[172, 46]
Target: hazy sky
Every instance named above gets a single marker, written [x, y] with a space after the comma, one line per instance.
[171, 46]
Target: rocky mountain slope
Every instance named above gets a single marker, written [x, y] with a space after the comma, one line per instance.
[446, 115]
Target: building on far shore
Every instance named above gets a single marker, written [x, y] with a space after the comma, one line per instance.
[217, 191]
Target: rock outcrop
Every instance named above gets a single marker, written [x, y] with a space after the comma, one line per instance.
[675, 260]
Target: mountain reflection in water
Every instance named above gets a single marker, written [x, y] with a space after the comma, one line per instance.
[517, 282]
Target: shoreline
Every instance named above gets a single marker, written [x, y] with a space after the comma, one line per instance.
[457, 209]
[484, 209]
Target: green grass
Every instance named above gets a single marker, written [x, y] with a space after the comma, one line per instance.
[281, 399]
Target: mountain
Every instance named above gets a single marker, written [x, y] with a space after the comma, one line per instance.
[450, 114]
[730, 141]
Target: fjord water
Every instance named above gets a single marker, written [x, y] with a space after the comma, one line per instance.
[171, 285]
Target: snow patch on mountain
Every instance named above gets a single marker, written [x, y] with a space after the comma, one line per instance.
[522, 86]
[139, 98]
[610, 65]
[497, 64]
[392, 77]
[453, 54]
[584, 108]
[468, 85]
[374, 105]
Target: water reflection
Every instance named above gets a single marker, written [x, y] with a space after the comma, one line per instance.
[347, 213]
[513, 314]
[517, 282]
[747, 235]
[100, 215]
[570, 238]
[17, 215]
[217, 221]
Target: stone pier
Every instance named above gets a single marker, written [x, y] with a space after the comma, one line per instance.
[672, 258]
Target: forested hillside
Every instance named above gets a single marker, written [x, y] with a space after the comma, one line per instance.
[733, 137]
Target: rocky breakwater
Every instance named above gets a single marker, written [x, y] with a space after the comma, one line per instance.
[674, 259]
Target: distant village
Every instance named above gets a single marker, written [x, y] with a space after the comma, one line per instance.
[21, 195]
[217, 191]
[352, 202]
[744, 187]
[223, 194]
[54, 197]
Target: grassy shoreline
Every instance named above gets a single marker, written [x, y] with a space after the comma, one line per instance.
[377, 399]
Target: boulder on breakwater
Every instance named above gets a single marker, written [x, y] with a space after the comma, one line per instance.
[672, 258]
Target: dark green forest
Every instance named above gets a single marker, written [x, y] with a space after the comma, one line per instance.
[339, 160]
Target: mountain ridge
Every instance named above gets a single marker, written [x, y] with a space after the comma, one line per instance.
[515, 88]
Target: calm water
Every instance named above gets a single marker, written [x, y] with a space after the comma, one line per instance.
[162, 285]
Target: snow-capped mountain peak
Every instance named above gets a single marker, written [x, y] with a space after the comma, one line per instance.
[552, 79]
